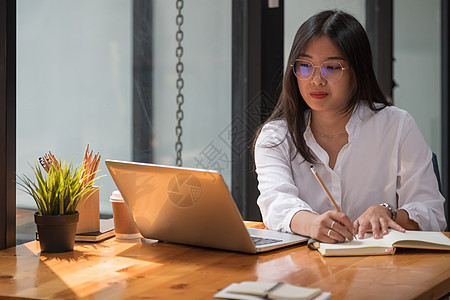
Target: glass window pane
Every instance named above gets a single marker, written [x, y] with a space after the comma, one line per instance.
[74, 64]
[298, 11]
[74, 84]
[207, 84]
[417, 65]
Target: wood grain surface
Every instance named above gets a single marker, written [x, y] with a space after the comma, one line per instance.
[148, 269]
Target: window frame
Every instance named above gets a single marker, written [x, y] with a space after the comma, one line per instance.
[7, 123]
[257, 72]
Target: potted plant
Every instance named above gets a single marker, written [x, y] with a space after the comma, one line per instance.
[57, 194]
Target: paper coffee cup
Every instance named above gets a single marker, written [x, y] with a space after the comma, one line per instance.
[124, 225]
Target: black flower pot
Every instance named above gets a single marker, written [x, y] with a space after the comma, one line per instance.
[56, 233]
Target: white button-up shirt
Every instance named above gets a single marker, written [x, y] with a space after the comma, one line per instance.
[386, 159]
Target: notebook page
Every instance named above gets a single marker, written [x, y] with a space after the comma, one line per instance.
[368, 241]
[434, 237]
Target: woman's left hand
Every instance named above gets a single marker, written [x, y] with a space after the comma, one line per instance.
[376, 219]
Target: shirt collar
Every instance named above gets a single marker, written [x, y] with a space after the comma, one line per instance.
[360, 114]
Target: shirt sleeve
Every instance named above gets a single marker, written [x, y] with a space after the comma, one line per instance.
[417, 186]
[278, 200]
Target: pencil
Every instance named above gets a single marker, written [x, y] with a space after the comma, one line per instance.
[86, 153]
[44, 163]
[53, 160]
[90, 165]
[84, 165]
[326, 191]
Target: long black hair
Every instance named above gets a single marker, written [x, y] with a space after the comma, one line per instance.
[350, 37]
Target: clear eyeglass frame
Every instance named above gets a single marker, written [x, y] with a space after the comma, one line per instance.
[330, 70]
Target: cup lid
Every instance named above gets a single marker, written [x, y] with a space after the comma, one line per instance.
[116, 196]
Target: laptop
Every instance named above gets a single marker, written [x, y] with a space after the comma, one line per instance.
[191, 207]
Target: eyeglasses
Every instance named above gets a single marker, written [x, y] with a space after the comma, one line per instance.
[330, 70]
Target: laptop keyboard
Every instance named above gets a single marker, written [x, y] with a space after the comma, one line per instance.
[259, 241]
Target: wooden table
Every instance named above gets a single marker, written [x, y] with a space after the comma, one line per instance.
[151, 270]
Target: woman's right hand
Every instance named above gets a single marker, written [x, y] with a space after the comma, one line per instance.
[329, 227]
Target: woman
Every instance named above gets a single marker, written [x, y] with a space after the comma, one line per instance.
[371, 155]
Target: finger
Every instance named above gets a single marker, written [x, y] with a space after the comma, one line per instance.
[332, 224]
[328, 240]
[375, 223]
[356, 226]
[384, 226]
[345, 221]
[332, 237]
[343, 231]
[338, 236]
[363, 228]
[396, 226]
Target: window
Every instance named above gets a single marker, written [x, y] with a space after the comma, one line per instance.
[75, 85]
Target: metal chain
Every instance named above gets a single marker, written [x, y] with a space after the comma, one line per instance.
[180, 84]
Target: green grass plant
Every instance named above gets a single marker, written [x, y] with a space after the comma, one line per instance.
[60, 190]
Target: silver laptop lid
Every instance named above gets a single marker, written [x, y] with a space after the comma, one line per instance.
[181, 205]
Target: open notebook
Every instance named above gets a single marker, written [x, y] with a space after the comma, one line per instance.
[189, 206]
[256, 290]
[431, 240]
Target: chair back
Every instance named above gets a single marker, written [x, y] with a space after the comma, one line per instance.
[438, 176]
